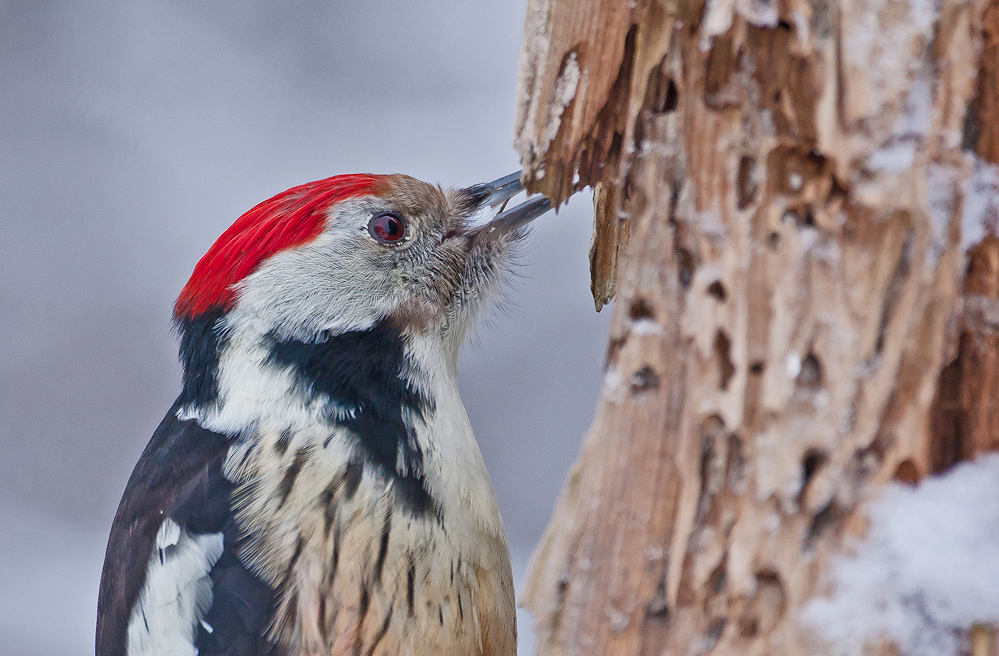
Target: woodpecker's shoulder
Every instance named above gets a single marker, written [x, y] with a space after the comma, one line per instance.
[172, 579]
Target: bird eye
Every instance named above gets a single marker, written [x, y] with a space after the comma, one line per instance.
[387, 228]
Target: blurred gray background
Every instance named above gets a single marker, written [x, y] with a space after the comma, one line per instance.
[131, 135]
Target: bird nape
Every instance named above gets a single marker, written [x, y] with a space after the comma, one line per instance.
[316, 488]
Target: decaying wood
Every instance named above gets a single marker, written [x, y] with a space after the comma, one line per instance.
[981, 132]
[780, 188]
[966, 408]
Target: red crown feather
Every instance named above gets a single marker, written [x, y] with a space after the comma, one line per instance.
[292, 218]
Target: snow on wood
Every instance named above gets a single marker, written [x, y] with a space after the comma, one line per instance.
[980, 216]
[925, 573]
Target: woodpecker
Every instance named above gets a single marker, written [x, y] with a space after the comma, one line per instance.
[316, 488]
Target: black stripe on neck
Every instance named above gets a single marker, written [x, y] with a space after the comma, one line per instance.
[201, 340]
[362, 371]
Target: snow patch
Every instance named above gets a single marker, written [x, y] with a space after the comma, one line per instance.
[878, 36]
[718, 17]
[876, 33]
[802, 27]
[893, 158]
[562, 94]
[761, 13]
[918, 107]
[792, 364]
[926, 572]
[980, 215]
[943, 186]
[710, 224]
[717, 20]
[614, 386]
[899, 153]
[643, 327]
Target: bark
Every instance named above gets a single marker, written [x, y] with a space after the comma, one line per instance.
[779, 191]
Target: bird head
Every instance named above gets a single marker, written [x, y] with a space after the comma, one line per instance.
[344, 254]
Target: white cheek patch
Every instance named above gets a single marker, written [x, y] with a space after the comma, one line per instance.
[331, 283]
[176, 595]
[255, 393]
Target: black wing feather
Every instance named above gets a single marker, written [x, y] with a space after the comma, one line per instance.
[179, 475]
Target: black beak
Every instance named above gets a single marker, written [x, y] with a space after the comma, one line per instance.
[516, 217]
[496, 193]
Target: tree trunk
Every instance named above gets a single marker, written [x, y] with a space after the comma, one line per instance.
[801, 316]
